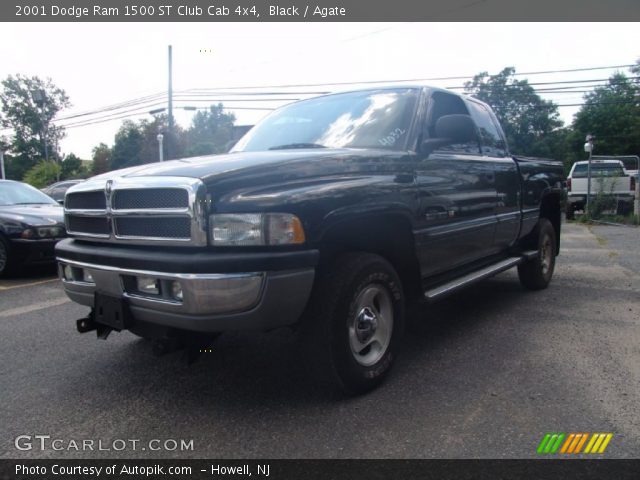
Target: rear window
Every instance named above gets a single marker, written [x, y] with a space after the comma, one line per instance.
[598, 169]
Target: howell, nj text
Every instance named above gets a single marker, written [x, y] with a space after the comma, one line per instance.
[234, 470]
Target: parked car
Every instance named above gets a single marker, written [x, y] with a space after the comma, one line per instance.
[608, 178]
[31, 223]
[57, 190]
[329, 216]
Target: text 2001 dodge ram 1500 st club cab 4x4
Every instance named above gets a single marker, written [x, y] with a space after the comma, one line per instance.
[329, 215]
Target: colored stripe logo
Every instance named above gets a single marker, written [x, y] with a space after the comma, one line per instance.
[574, 443]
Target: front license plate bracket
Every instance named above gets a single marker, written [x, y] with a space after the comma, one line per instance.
[111, 311]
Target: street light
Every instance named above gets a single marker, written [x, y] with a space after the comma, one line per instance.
[160, 137]
[156, 111]
[588, 147]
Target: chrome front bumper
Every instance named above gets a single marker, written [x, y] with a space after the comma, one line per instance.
[209, 302]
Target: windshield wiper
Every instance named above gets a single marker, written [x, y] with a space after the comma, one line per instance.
[30, 203]
[288, 146]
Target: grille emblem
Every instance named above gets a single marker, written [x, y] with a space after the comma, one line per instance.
[108, 188]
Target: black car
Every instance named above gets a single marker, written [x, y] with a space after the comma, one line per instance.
[30, 225]
[58, 189]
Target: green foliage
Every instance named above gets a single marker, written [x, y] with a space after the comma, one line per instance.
[127, 147]
[100, 156]
[72, 168]
[42, 174]
[136, 143]
[210, 131]
[31, 123]
[612, 114]
[530, 123]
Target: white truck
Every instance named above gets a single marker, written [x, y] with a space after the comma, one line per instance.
[608, 178]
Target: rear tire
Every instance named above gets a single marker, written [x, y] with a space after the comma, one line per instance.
[536, 274]
[354, 322]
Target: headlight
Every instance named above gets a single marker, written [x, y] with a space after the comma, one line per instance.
[255, 229]
[43, 232]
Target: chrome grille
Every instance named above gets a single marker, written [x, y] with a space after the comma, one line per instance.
[143, 210]
[86, 200]
[166, 227]
[88, 225]
[150, 198]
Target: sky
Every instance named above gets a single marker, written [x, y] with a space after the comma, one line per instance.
[101, 64]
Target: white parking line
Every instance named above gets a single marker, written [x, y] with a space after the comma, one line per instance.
[34, 307]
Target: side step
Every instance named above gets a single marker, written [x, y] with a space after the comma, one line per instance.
[448, 288]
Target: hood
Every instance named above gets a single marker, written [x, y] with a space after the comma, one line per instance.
[210, 166]
[33, 215]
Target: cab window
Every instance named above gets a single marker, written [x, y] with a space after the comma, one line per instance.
[442, 104]
[490, 139]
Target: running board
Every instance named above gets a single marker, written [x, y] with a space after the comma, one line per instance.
[448, 288]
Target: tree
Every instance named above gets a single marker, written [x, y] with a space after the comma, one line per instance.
[30, 122]
[612, 113]
[529, 122]
[137, 143]
[127, 146]
[72, 168]
[101, 156]
[42, 174]
[210, 131]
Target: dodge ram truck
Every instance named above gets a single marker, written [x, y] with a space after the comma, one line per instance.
[329, 216]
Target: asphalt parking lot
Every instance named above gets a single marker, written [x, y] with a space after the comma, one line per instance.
[485, 375]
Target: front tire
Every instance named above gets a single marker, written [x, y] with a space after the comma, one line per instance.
[536, 274]
[354, 322]
[6, 266]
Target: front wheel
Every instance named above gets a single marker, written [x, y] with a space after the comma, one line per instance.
[5, 262]
[354, 322]
[536, 274]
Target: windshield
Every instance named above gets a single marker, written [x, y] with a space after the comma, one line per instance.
[368, 119]
[599, 169]
[14, 193]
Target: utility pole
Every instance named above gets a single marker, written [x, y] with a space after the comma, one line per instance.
[170, 106]
[2, 175]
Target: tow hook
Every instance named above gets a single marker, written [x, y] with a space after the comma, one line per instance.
[88, 324]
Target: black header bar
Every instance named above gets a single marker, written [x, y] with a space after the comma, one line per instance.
[318, 11]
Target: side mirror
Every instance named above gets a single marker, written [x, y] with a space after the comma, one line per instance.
[450, 129]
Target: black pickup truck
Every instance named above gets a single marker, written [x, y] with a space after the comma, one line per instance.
[330, 216]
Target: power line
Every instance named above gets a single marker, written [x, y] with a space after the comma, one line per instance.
[119, 110]
[92, 122]
[182, 93]
[142, 110]
[366, 82]
[204, 91]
